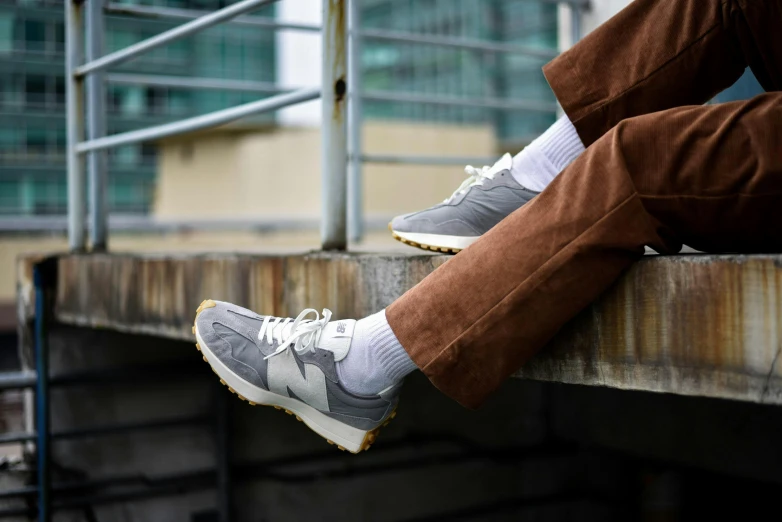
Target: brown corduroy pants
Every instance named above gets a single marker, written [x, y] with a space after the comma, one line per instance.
[659, 170]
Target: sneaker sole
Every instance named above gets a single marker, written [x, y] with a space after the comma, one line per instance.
[346, 438]
[434, 242]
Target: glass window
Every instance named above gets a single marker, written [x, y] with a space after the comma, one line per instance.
[59, 37]
[6, 32]
[155, 100]
[59, 91]
[36, 142]
[10, 141]
[35, 90]
[35, 35]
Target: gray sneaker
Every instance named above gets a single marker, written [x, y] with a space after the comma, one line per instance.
[291, 364]
[481, 201]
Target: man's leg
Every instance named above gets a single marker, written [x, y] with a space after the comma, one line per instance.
[653, 55]
[708, 176]
[656, 55]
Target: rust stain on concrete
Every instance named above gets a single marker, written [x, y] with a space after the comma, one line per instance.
[695, 325]
[700, 325]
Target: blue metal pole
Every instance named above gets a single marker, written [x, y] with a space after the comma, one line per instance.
[42, 396]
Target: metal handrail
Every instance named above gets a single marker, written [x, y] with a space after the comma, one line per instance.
[173, 13]
[185, 82]
[332, 92]
[459, 101]
[195, 123]
[192, 27]
[459, 43]
[393, 159]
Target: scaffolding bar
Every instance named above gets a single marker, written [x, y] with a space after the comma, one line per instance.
[182, 82]
[201, 122]
[187, 29]
[97, 164]
[355, 182]
[74, 116]
[333, 232]
[452, 101]
[192, 14]
[17, 437]
[17, 380]
[458, 43]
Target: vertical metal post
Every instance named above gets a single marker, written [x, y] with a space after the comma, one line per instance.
[575, 24]
[333, 227]
[95, 29]
[74, 116]
[222, 452]
[355, 121]
[42, 395]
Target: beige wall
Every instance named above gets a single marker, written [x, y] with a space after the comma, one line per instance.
[277, 173]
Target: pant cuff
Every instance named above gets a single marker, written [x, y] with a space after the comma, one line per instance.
[445, 372]
[565, 79]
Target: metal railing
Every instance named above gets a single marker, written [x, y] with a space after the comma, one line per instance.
[90, 74]
[341, 146]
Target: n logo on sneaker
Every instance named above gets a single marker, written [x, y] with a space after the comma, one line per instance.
[284, 374]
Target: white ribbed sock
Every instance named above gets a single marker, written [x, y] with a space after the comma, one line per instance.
[539, 162]
[375, 360]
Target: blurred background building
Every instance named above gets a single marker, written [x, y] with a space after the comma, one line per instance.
[260, 179]
[32, 98]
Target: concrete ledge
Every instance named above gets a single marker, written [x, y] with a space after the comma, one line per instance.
[692, 324]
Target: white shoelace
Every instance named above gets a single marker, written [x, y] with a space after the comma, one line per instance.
[476, 177]
[302, 334]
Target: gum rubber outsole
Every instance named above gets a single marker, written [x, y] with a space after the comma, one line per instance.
[422, 246]
[369, 438]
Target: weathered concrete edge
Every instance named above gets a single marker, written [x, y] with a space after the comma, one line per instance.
[710, 326]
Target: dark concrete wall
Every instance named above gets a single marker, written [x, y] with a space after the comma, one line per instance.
[536, 451]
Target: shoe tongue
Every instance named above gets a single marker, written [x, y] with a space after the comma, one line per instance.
[336, 337]
[504, 163]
